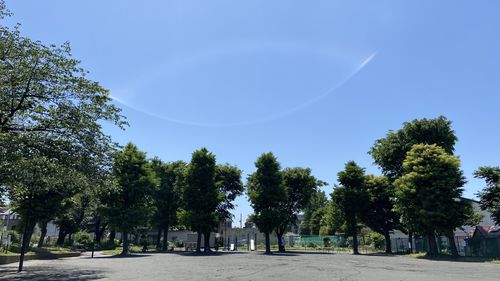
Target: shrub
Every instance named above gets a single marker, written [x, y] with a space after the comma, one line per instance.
[377, 240]
[14, 236]
[327, 242]
[68, 242]
[108, 245]
[84, 239]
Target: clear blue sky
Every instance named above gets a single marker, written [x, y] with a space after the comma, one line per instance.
[315, 82]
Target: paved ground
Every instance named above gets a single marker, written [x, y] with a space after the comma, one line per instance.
[252, 266]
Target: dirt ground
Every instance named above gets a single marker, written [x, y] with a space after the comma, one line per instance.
[293, 266]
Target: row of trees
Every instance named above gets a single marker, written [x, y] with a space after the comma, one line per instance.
[420, 191]
[151, 193]
[277, 196]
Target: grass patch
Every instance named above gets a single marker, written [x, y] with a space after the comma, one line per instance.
[118, 250]
[40, 251]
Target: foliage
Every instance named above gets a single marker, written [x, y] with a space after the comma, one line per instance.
[333, 221]
[51, 140]
[351, 198]
[267, 194]
[167, 194]
[84, 239]
[316, 219]
[377, 240]
[490, 195]
[318, 201]
[299, 186]
[228, 181]
[428, 194]
[390, 152]
[127, 206]
[380, 215]
[201, 196]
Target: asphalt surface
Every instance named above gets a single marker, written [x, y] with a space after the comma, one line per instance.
[293, 266]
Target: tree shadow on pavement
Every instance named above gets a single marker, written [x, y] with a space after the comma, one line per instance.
[455, 259]
[39, 273]
[120, 256]
[203, 254]
[298, 252]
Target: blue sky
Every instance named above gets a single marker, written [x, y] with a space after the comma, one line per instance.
[315, 82]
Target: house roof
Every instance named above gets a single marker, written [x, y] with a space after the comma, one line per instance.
[489, 231]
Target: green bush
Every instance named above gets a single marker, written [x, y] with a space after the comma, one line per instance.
[84, 239]
[108, 245]
[311, 245]
[327, 242]
[68, 242]
[377, 240]
[14, 236]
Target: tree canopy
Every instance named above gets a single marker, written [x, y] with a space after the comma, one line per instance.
[380, 215]
[267, 194]
[428, 194]
[299, 185]
[390, 152]
[128, 205]
[490, 195]
[201, 196]
[351, 198]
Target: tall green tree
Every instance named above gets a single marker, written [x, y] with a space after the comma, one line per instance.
[428, 194]
[390, 152]
[201, 196]
[36, 189]
[380, 216]
[312, 211]
[73, 215]
[50, 115]
[128, 206]
[490, 195]
[299, 185]
[267, 194]
[228, 181]
[167, 195]
[351, 198]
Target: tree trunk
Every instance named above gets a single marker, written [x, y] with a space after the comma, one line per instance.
[198, 242]
[207, 242]
[268, 244]
[28, 231]
[453, 246]
[61, 236]
[101, 233]
[410, 241]
[354, 231]
[158, 238]
[431, 237]
[112, 235]
[388, 245]
[281, 246]
[164, 246]
[43, 229]
[125, 243]
[97, 230]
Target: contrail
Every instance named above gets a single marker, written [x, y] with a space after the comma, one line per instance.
[268, 118]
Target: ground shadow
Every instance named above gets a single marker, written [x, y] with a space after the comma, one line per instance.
[119, 256]
[203, 254]
[38, 273]
[293, 253]
[449, 258]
